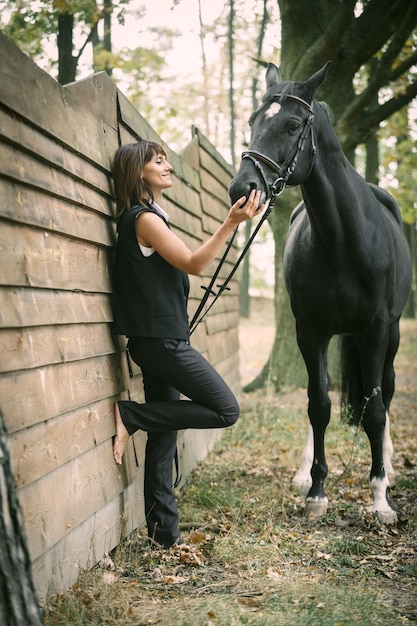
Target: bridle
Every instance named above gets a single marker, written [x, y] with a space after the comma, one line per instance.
[285, 169]
[284, 172]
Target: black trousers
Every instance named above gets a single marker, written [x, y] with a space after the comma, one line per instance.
[171, 367]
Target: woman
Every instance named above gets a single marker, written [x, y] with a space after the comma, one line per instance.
[151, 290]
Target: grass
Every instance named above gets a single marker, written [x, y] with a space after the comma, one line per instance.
[253, 559]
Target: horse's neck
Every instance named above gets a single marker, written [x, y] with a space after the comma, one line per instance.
[335, 196]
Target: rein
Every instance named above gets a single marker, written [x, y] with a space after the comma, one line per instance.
[198, 315]
[284, 172]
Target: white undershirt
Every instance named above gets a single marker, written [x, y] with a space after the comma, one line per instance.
[144, 249]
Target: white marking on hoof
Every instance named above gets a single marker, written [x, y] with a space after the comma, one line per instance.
[315, 507]
[387, 451]
[302, 479]
[380, 506]
[387, 517]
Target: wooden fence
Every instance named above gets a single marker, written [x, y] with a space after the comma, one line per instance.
[61, 368]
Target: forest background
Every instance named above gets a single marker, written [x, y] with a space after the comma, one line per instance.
[202, 62]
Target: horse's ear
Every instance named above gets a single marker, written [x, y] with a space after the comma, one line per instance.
[273, 76]
[314, 82]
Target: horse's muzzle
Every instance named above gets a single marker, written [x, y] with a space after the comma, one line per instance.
[242, 184]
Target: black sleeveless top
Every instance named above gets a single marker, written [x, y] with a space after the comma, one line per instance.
[150, 295]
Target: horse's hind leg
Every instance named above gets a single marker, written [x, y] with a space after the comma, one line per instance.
[388, 387]
[374, 416]
[302, 479]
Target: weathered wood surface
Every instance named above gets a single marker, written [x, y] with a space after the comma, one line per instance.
[61, 367]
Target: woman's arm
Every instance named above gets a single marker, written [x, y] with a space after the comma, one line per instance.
[151, 231]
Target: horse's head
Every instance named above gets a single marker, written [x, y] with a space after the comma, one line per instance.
[281, 149]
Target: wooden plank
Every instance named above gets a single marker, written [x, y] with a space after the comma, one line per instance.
[32, 396]
[67, 497]
[199, 339]
[213, 206]
[186, 222]
[30, 347]
[27, 170]
[184, 196]
[59, 568]
[53, 108]
[98, 93]
[191, 153]
[229, 370]
[206, 146]
[217, 323]
[222, 346]
[33, 207]
[37, 258]
[213, 167]
[42, 448]
[23, 306]
[214, 187]
[24, 138]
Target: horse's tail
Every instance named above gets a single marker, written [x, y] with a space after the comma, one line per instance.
[351, 380]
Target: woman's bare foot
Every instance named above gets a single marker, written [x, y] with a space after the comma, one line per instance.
[121, 438]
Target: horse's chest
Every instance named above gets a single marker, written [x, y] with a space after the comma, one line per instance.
[322, 286]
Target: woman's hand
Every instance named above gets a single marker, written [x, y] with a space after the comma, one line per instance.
[151, 230]
[244, 209]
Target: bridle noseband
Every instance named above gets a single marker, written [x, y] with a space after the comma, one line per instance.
[286, 169]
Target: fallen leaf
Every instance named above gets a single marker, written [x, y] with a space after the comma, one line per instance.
[274, 575]
[175, 580]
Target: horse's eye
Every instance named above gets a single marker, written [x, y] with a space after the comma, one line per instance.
[293, 126]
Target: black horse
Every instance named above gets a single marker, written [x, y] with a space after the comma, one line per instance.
[346, 265]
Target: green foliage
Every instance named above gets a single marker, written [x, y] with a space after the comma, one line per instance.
[33, 26]
[398, 163]
[28, 24]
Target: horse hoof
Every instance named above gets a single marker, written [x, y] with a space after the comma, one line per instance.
[315, 508]
[387, 517]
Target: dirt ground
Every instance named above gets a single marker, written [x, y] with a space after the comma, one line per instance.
[251, 557]
[256, 336]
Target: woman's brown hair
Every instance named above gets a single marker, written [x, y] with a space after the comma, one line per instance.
[128, 163]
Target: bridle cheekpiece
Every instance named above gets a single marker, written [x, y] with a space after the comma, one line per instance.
[285, 169]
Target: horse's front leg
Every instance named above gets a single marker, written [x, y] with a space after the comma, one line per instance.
[319, 405]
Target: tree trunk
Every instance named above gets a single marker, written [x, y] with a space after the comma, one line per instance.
[244, 298]
[67, 64]
[18, 603]
[410, 233]
[313, 33]
[230, 41]
[285, 366]
[107, 43]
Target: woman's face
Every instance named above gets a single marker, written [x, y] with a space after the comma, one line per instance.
[157, 174]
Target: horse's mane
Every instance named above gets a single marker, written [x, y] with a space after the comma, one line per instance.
[327, 110]
[283, 89]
